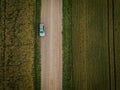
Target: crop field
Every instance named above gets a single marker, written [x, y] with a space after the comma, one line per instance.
[90, 45]
[86, 45]
[18, 42]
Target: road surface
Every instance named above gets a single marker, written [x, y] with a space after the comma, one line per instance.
[51, 45]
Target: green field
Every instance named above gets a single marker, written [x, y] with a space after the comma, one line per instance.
[116, 40]
[86, 57]
[90, 45]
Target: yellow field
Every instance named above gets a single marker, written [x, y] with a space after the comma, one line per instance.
[17, 42]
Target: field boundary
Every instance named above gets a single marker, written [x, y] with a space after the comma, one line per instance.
[37, 65]
[67, 45]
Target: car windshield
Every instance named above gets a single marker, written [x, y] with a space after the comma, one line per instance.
[41, 32]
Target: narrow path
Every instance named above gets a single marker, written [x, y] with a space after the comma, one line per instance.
[51, 45]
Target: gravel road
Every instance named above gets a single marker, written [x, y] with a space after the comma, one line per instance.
[51, 45]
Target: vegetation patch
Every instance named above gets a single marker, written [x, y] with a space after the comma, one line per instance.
[37, 64]
[67, 45]
[19, 45]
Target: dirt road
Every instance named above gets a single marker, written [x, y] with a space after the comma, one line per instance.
[51, 45]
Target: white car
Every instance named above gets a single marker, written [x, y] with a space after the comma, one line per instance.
[42, 32]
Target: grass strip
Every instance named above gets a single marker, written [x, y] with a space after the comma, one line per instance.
[67, 45]
[37, 65]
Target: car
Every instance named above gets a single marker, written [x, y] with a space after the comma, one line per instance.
[42, 31]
